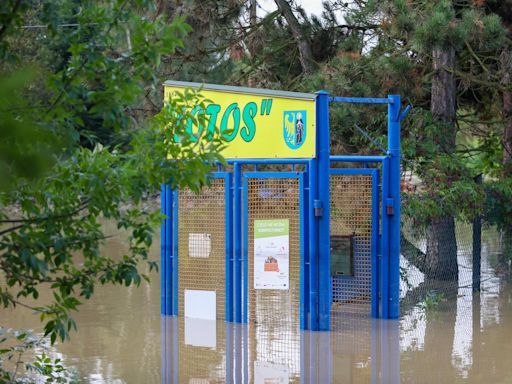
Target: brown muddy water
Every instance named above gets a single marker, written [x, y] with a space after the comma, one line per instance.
[123, 339]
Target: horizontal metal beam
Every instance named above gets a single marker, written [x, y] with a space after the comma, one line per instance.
[358, 159]
[360, 100]
[268, 161]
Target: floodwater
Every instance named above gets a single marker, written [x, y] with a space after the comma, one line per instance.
[123, 339]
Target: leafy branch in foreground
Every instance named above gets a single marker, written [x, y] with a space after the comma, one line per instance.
[55, 239]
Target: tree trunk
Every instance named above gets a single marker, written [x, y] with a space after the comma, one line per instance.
[303, 44]
[441, 255]
[506, 66]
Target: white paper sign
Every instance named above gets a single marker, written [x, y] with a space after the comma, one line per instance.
[199, 245]
[265, 373]
[200, 304]
[271, 254]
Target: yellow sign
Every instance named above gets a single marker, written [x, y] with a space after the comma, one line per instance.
[257, 123]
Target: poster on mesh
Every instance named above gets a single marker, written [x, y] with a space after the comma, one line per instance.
[271, 254]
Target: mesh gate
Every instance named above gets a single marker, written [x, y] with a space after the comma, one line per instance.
[201, 244]
[274, 315]
[351, 217]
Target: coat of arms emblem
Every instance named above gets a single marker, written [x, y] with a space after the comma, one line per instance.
[294, 128]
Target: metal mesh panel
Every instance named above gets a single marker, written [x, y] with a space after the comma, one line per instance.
[201, 244]
[274, 315]
[351, 215]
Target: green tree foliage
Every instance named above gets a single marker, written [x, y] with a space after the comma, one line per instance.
[62, 113]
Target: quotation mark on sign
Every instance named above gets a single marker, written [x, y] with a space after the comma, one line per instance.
[266, 106]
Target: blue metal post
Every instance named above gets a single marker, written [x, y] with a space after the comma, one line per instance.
[384, 256]
[237, 234]
[169, 241]
[394, 195]
[245, 252]
[163, 244]
[229, 248]
[174, 258]
[303, 294]
[375, 243]
[323, 153]
[313, 250]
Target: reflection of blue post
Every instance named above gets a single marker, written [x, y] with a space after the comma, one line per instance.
[323, 155]
[394, 202]
[238, 354]
[169, 353]
[385, 351]
[374, 348]
[392, 337]
[229, 353]
[164, 370]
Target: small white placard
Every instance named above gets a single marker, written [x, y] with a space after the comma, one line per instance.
[201, 333]
[270, 373]
[199, 245]
[200, 304]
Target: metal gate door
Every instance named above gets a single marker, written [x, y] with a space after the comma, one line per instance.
[273, 269]
[354, 218]
[203, 245]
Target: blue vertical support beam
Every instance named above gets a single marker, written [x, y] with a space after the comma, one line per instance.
[384, 256]
[163, 244]
[313, 246]
[169, 242]
[237, 234]
[394, 213]
[323, 155]
[303, 295]
[375, 243]
[175, 255]
[305, 243]
[245, 252]
[228, 189]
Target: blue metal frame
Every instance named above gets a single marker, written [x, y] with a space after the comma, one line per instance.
[274, 175]
[315, 257]
[324, 185]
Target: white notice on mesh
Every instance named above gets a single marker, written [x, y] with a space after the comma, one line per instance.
[199, 245]
[200, 304]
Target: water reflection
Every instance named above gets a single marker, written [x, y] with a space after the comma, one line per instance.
[456, 342]
[123, 339]
[359, 350]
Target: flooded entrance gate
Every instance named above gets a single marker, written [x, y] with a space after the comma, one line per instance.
[285, 236]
